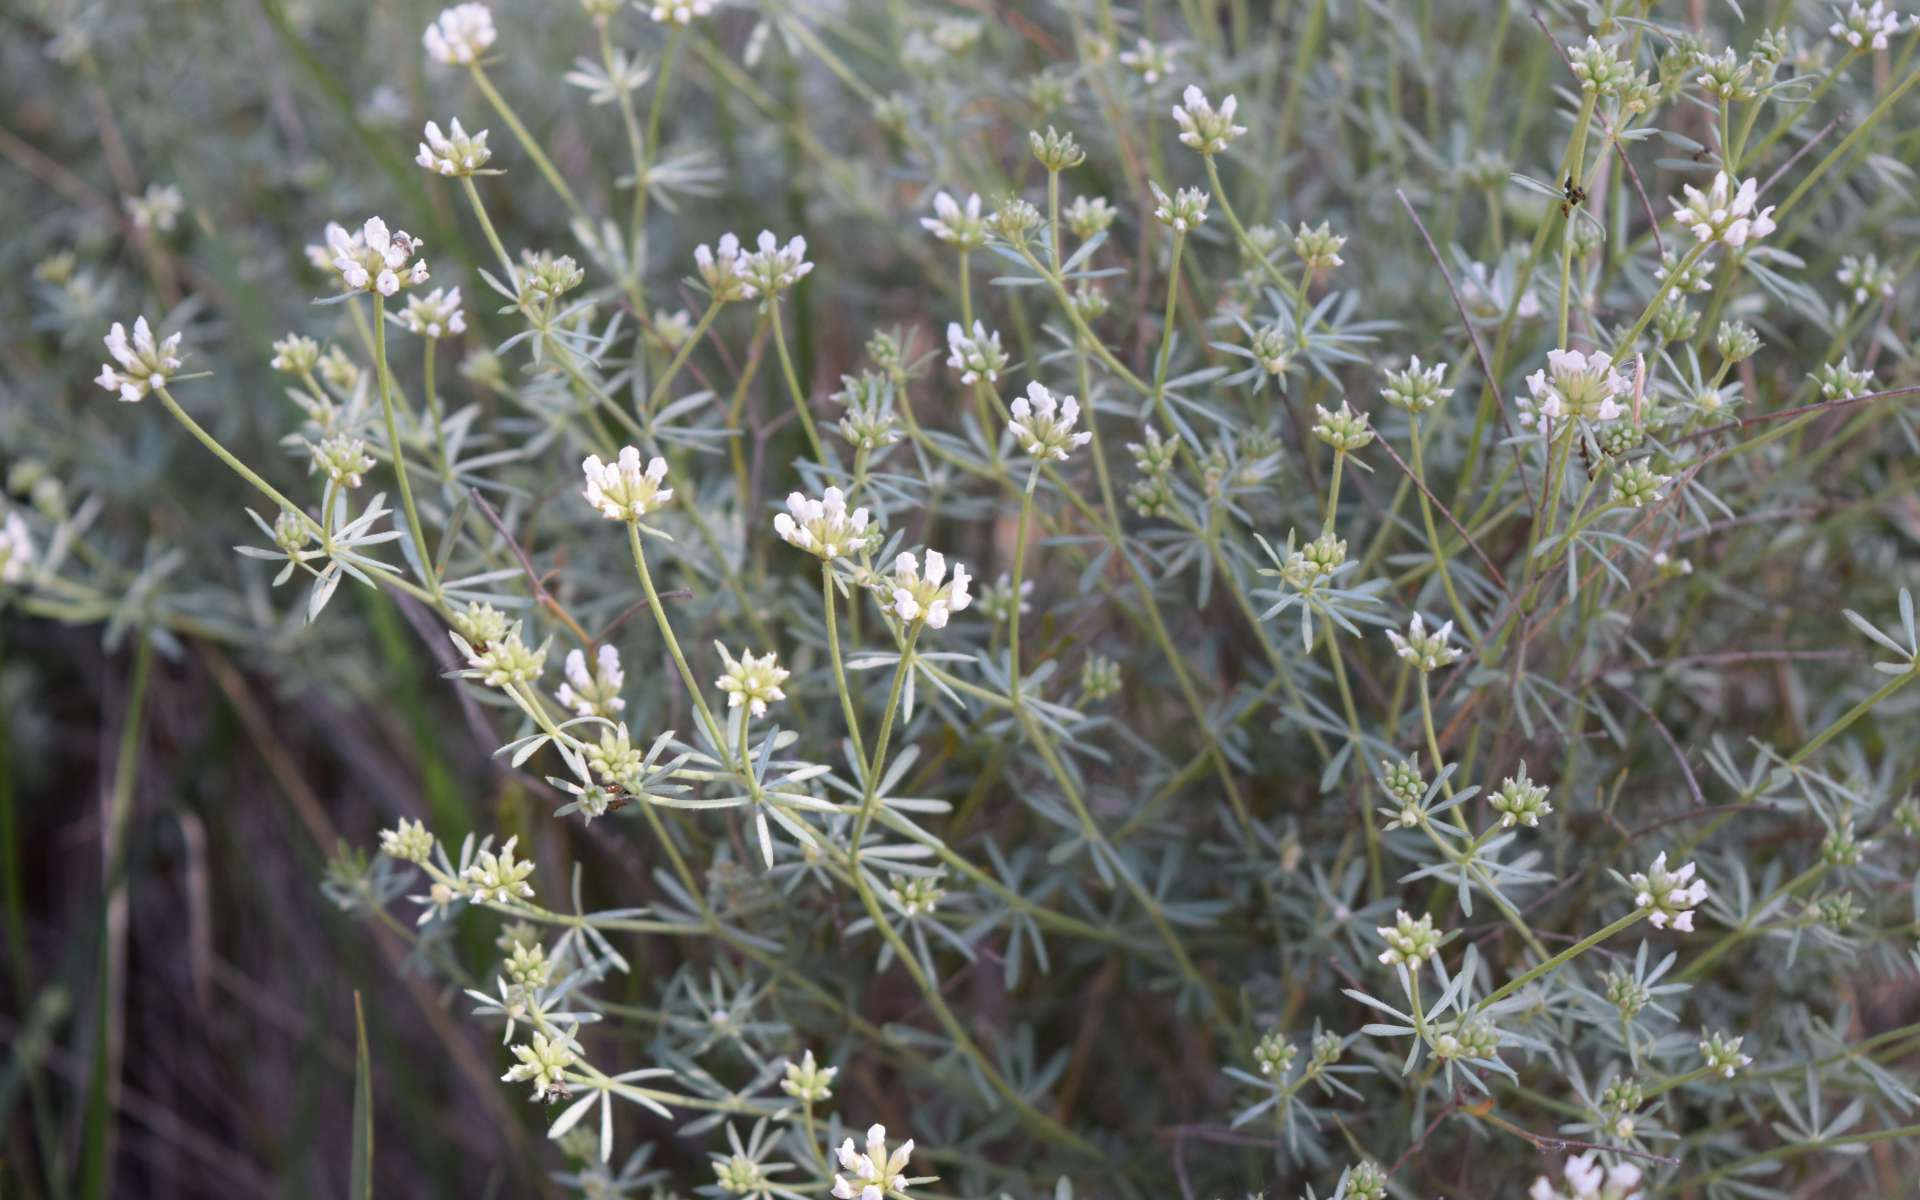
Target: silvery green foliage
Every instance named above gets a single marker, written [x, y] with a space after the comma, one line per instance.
[1330, 797]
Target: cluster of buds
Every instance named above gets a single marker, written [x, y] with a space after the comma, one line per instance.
[295, 355]
[1721, 1055]
[1409, 942]
[435, 315]
[1472, 1037]
[1839, 381]
[374, 259]
[1426, 651]
[480, 624]
[544, 277]
[1318, 247]
[527, 966]
[157, 209]
[1152, 494]
[1573, 386]
[1619, 1100]
[1182, 212]
[1637, 485]
[1727, 76]
[614, 759]
[722, 268]
[594, 693]
[749, 681]
[1087, 216]
[1736, 341]
[342, 458]
[1414, 388]
[456, 154]
[915, 895]
[1520, 801]
[623, 490]
[913, 595]
[1151, 61]
[1599, 67]
[1202, 127]
[1316, 562]
[773, 268]
[958, 226]
[1866, 28]
[1725, 212]
[1343, 428]
[410, 841]
[1670, 896]
[679, 12]
[977, 356]
[504, 660]
[144, 364]
[1691, 274]
[997, 601]
[498, 878]
[460, 35]
[1015, 219]
[1271, 349]
[809, 1082]
[1366, 1180]
[1054, 150]
[1099, 678]
[1403, 782]
[1044, 426]
[1274, 1055]
[543, 1060]
[824, 527]
[1867, 277]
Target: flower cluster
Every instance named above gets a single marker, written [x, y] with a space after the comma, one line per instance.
[143, 363]
[1671, 896]
[594, 693]
[435, 315]
[753, 682]
[977, 356]
[1409, 942]
[460, 35]
[913, 595]
[1573, 386]
[1866, 28]
[1587, 1179]
[1202, 127]
[456, 154]
[497, 878]
[824, 527]
[1044, 426]
[1414, 388]
[623, 490]
[1426, 651]
[1725, 212]
[872, 1174]
[374, 259]
[955, 225]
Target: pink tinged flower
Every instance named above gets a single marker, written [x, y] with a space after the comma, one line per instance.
[460, 35]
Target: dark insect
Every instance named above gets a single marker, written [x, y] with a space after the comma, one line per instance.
[1575, 196]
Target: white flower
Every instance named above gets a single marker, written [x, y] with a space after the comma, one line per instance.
[1181, 212]
[1415, 388]
[873, 1174]
[976, 357]
[544, 1062]
[158, 208]
[497, 877]
[1427, 651]
[724, 270]
[1672, 895]
[679, 12]
[1574, 385]
[1043, 426]
[457, 153]
[963, 227]
[460, 35]
[1147, 60]
[1201, 126]
[1586, 1179]
[1724, 212]
[435, 314]
[16, 549]
[773, 268]
[754, 682]
[593, 693]
[915, 596]
[622, 490]
[144, 365]
[1862, 28]
[822, 527]
[1409, 942]
[374, 259]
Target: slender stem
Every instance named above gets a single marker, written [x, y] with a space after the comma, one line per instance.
[394, 448]
[529, 144]
[714, 729]
[1019, 562]
[1571, 952]
[793, 383]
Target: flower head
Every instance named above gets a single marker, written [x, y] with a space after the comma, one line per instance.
[158, 208]
[773, 268]
[504, 659]
[144, 364]
[1724, 213]
[723, 269]
[1414, 388]
[453, 154]
[1044, 427]
[295, 355]
[1573, 386]
[955, 225]
[434, 315]
[807, 1080]
[593, 693]
[822, 527]
[1427, 651]
[1181, 212]
[1671, 895]
[1586, 1179]
[1520, 801]
[1866, 28]
[977, 355]
[1409, 942]
[460, 35]
[679, 12]
[374, 259]
[410, 841]
[1343, 428]
[623, 490]
[754, 682]
[913, 595]
[874, 1174]
[1203, 127]
[497, 877]
[543, 1062]
[1150, 61]
[1722, 1055]
[342, 458]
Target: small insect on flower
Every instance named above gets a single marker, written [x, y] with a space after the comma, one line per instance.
[375, 259]
[434, 315]
[1670, 895]
[460, 35]
[144, 364]
[912, 595]
[1866, 28]
[976, 357]
[16, 549]
[754, 682]
[1044, 427]
[456, 154]
[823, 528]
[955, 225]
[1573, 385]
[1427, 651]
[1724, 213]
[874, 1174]
[623, 490]
[1202, 127]
[593, 693]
